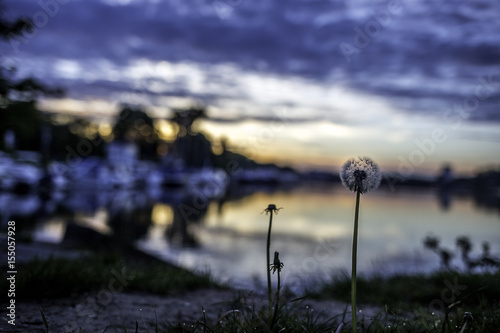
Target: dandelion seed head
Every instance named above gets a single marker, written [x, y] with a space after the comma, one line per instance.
[360, 174]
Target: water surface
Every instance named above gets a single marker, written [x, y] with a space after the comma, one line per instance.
[312, 231]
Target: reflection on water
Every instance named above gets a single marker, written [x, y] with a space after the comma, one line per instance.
[227, 236]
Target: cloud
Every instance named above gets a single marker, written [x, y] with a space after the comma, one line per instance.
[419, 58]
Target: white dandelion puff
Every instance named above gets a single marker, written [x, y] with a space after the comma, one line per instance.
[360, 174]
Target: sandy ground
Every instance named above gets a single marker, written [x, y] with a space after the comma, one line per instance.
[96, 311]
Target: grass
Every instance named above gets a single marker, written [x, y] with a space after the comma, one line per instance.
[436, 302]
[251, 320]
[486, 318]
[410, 291]
[59, 277]
[439, 303]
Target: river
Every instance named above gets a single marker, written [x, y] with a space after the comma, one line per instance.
[312, 231]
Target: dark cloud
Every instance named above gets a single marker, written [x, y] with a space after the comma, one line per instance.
[417, 41]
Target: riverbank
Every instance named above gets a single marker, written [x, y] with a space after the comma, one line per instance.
[221, 310]
[107, 292]
[77, 290]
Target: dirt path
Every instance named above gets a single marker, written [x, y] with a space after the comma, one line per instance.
[96, 311]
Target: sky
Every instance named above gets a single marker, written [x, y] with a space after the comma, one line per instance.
[307, 83]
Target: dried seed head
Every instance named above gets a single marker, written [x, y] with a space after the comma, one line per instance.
[362, 174]
[271, 208]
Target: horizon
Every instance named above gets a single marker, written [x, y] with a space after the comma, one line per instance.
[259, 132]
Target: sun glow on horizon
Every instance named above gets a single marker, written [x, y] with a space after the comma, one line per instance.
[322, 144]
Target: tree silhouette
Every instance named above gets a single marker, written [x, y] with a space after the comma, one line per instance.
[8, 29]
[186, 118]
[27, 89]
[135, 126]
[18, 112]
[192, 147]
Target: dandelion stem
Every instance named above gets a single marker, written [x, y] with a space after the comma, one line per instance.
[269, 291]
[276, 305]
[360, 176]
[354, 257]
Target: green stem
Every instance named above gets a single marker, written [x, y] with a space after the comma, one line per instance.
[276, 306]
[269, 291]
[354, 257]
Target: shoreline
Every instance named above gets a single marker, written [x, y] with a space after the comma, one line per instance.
[116, 309]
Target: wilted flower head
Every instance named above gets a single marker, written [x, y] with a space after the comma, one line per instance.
[271, 208]
[362, 174]
[277, 264]
[464, 244]
[431, 242]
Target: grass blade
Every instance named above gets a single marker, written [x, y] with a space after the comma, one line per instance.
[44, 320]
